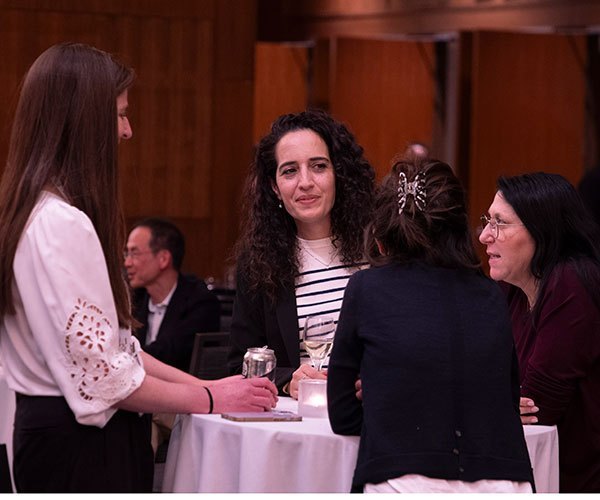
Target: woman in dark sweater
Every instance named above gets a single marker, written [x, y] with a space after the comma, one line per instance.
[546, 247]
[430, 337]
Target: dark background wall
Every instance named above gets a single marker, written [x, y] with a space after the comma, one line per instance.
[491, 86]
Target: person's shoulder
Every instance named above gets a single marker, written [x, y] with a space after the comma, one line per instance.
[193, 285]
[565, 278]
[479, 277]
[499, 292]
[52, 207]
[53, 216]
[376, 275]
[191, 280]
[413, 269]
[566, 285]
[385, 270]
[366, 273]
[566, 291]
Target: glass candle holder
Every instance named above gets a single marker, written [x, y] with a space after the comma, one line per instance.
[312, 398]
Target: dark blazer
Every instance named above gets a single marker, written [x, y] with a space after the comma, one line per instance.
[436, 358]
[256, 323]
[193, 308]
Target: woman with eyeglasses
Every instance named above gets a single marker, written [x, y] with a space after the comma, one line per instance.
[430, 336]
[545, 246]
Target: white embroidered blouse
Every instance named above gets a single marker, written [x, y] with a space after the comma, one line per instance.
[64, 339]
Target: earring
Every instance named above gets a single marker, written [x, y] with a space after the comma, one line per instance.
[280, 206]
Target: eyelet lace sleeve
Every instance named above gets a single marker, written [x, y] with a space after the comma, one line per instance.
[100, 371]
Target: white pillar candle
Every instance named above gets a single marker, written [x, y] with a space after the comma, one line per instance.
[312, 398]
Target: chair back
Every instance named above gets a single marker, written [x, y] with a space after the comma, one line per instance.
[226, 297]
[209, 356]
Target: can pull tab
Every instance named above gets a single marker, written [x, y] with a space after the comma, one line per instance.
[264, 347]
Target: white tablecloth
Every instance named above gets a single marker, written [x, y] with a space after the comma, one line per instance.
[210, 454]
[7, 415]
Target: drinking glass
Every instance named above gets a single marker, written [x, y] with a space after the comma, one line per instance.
[318, 336]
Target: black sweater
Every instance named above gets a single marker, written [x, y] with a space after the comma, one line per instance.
[434, 351]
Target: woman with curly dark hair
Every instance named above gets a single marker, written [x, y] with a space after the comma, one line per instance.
[307, 200]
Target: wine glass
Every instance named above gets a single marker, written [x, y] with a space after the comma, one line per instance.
[318, 336]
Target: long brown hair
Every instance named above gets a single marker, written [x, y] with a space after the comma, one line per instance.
[64, 137]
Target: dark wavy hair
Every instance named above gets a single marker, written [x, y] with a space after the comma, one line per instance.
[438, 234]
[64, 136]
[563, 230]
[267, 251]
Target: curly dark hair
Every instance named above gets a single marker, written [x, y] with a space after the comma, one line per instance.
[267, 251]
[437, 233]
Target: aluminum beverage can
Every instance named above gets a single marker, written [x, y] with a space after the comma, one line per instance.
[259, 362]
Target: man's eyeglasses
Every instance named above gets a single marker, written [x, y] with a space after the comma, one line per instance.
[135, 254]
[495, 225]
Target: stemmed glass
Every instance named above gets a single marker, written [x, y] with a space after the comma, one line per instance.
[318, 336]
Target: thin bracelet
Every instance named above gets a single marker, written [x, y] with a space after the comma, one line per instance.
[210, 398]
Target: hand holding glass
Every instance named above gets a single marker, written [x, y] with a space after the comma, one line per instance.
[318, 336]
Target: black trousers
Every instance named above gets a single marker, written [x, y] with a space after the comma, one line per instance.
[5, 482]
[54, 453]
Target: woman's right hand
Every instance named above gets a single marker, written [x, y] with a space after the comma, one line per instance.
[305, 371]
[527, 407]
[244, 394]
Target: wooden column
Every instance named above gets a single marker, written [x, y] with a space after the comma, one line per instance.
[384, 90]
[527, 109]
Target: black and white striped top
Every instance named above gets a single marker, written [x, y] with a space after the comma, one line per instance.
[320, 284]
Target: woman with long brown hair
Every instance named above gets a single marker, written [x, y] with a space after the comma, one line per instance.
[65, 331]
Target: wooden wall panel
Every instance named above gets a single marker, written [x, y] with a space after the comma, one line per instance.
[168, 172]
[235, 36]
[527, 108]
[190, 109]
[384, 90]
[233, 124]
[281, 83]
[321, 74]
[25, 33]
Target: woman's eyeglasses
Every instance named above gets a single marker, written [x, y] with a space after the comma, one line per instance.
[495, 225]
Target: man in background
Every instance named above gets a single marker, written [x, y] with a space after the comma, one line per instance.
[171, 307]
